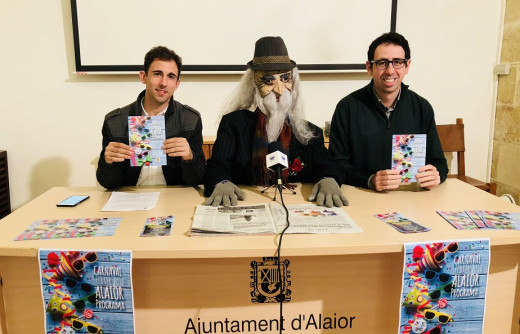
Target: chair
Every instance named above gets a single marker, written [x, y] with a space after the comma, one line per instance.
[452, 140]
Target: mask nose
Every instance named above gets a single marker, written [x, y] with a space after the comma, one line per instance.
[278, 88]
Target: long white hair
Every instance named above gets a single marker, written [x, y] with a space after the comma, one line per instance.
[246, 96]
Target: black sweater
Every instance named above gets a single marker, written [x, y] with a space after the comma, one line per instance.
[361, 134]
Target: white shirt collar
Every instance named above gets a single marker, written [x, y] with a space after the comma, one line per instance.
[146, 114]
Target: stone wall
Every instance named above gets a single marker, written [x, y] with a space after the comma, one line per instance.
[505, 168]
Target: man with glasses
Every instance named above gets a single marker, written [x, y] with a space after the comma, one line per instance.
[365, 121]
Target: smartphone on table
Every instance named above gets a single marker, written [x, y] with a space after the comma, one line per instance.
[73, 200]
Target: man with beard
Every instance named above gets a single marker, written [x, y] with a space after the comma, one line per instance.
[264, 108]
[183, 126]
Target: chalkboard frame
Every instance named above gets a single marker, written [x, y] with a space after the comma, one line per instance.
[207, 68]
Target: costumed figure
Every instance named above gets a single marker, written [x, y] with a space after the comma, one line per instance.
[266, 107]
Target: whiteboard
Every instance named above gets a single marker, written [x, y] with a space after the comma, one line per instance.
[219, 35]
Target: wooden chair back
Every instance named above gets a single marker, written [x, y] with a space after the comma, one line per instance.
[452, 140]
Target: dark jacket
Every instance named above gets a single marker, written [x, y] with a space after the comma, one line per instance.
[180, 121]
[361, 134]
[232, 153]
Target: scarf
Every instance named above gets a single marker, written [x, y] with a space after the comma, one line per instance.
[261, 175]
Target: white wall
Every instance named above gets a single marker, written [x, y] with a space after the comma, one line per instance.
[52, 118]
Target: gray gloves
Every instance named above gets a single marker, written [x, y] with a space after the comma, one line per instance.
[225, 193]
[326, 192]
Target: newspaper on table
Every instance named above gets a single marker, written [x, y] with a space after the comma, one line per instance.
[270, 219]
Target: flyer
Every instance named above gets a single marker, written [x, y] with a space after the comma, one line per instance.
[459, 219]
[146, 135]
[401, 223]
[408, 155]
[444, 287]
[87, 291]
[69, 228]
[157, 226]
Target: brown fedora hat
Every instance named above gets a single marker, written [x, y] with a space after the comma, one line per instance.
[271, 55]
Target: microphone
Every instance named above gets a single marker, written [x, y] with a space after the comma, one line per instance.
[276, 160]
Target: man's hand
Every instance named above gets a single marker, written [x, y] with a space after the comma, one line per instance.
[225, 193]
[428, 177]
[327, 192]
[386, 179]
[178, 147]
[117, 152]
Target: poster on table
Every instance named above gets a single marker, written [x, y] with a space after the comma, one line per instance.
[87, 291]
[444, 287]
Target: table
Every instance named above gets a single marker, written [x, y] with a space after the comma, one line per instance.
[181, 282]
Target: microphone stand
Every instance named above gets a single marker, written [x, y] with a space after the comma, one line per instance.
[278, 185]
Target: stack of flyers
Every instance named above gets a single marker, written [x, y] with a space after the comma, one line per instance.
[70, 228]
[401, 223]
[482, 219]
[408, 155]
[500, 220]
[157, 226]
[476, 218]
[146, 135]
[460, 220]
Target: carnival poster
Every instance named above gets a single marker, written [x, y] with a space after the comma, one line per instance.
[87, 291]
[444, 287]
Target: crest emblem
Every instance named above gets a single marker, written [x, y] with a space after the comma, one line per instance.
[270, 281]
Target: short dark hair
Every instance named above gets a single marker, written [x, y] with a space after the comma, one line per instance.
[162, 53]
[389, 38]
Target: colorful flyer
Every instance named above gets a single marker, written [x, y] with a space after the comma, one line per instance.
[500, 220]
[146, 136]
[401, 223]
[444, 287]
[157, 226]
[70, 228]
[408, 155]
[476, 218]
[87, 291]
[459, 219]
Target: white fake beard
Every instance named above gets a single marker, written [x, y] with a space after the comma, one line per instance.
[276, 112]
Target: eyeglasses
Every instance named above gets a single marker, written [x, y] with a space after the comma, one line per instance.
[72, 283]
[382, 64]
[443, 277]
[80, 324]
[451, 248]
[80, 303]
[443, 318]
[435, 294]
[79, 264]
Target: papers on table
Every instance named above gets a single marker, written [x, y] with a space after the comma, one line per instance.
[121, 201]
[482, 219]
[70, 228]
[270, 219]
[401, 223]
[309, 218]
